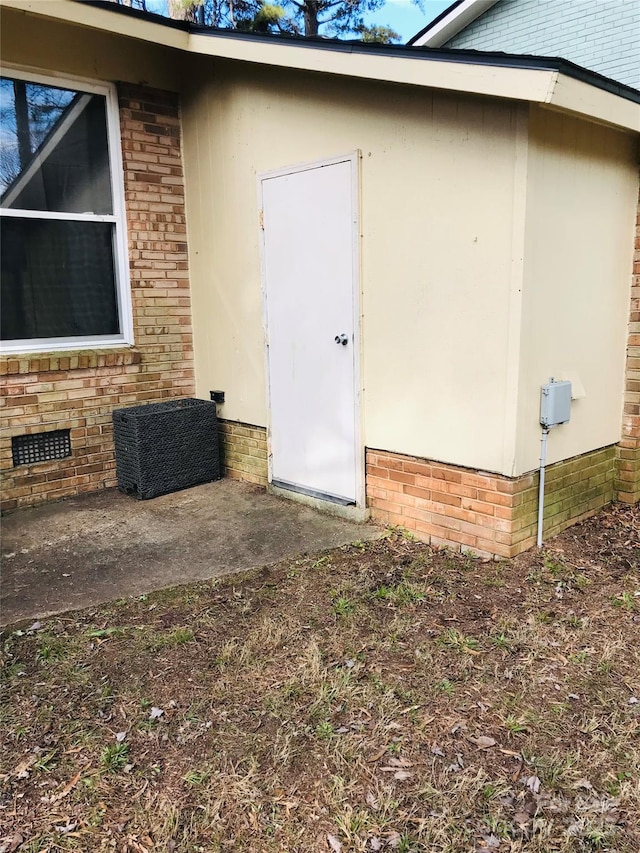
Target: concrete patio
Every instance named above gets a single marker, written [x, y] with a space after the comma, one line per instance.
[103, 546]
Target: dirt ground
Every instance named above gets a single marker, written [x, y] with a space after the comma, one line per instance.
[378, 696]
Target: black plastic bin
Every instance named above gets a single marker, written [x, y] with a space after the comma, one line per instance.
[163, 447]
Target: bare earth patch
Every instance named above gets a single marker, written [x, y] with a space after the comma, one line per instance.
[381, 696]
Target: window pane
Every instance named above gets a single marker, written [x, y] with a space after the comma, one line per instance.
[53, 149]
[58, 279]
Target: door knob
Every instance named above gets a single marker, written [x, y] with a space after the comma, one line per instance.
[342, 339]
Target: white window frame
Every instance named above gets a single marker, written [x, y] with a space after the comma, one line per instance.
[118, 219]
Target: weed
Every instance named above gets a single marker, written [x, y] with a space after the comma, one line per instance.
[104, 633]
[514, 725]
[51, 650]
[114, 757]
[325, 730]
[406, 845]
[46, 761]
[12, 670]
[579, 657]
[395, 747]
[197, 777]
[453, 639]
[597, 838]
[625, 600]
[177, 637]
[497, 583]
[444, 686]
[501, 641]
[554, 567]
[378, 683]
[402, 593]
[342, 606]
[613, 786]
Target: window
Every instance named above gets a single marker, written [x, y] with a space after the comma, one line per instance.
[64, 278]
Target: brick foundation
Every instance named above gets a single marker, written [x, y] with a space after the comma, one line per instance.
[79, 390]
[628, 461]
[244, 451]
[485, 513]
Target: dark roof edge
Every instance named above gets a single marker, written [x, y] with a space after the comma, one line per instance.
[436, 20]
[464, 56]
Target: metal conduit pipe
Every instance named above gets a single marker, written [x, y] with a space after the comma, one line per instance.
[543, 462]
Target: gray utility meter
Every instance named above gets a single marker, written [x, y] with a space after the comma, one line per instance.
[555, 403]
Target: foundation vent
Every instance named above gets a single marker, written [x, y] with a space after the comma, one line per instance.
[41, 447]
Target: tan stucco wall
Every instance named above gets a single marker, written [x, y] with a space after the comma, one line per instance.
[580, 214]
[52, 46]
[437, 196]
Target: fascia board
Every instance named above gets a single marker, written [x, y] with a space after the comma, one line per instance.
[516, 83]
[101, 19]
[449, 26]
[569, 95]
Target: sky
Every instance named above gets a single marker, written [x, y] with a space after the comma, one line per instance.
[403, 16]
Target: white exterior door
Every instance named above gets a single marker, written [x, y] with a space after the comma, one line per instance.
[311, 293]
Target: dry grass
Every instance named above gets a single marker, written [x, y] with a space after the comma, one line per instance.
[378, 697]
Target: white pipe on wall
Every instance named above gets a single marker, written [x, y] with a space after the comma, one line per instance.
[543, 462]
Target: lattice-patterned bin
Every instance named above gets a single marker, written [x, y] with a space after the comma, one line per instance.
[163, 447]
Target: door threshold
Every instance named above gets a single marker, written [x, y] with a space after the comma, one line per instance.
[326, 504]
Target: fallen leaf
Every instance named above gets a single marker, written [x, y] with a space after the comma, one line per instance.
[11, 843]
[484, 742]
[371, 801]
[333, 843]
[376, 756]
[533, 784]
[156, 713]
[67, 788]
[402, 775]
[394, 839]
[522, 817]
[22, 770]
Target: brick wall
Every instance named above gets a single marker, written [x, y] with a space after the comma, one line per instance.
[79, 390]
[244, 451]
[482, 512]
[628, 465]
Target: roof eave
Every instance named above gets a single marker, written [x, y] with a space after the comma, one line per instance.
[532, 79]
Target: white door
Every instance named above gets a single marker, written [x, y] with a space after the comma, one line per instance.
[310, 271]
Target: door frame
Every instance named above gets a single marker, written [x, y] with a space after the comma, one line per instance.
[354, 158]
